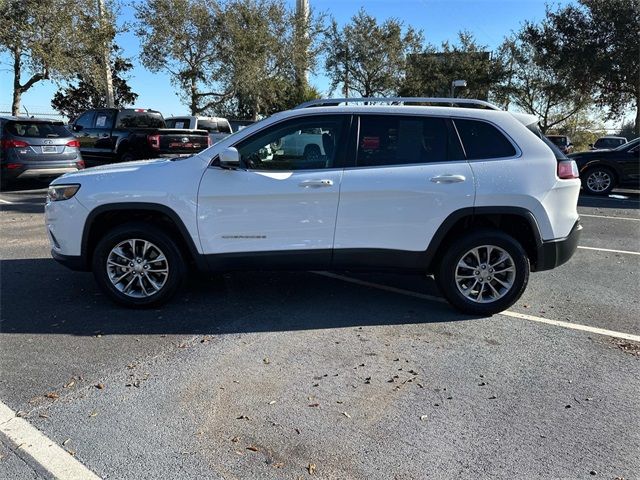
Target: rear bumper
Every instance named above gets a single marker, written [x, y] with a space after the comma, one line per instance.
[553, 253]
[38, 170]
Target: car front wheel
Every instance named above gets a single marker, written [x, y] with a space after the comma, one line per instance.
[484, 272]
[138, 265]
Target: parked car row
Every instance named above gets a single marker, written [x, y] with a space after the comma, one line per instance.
[44, 148]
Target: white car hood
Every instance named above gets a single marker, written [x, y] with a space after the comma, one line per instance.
[110, 169]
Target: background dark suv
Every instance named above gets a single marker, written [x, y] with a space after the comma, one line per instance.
[36, 148]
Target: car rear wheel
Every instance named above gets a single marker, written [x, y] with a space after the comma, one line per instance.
[599, 181]
[138, 265]
[484, 272]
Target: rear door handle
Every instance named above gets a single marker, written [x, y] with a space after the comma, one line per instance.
[448, 178]
[316, 183]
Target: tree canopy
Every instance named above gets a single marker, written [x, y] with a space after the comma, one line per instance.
[50, 40]
[369, 58]
[87, 92]
[593, 46]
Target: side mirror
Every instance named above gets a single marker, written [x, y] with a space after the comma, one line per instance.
[229, 158]
[77, 128]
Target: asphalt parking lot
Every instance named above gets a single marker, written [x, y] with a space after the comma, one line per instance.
[308, 375]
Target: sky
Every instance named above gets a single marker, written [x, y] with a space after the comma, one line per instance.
[489, 20]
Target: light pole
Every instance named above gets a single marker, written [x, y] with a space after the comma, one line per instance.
[457, 84]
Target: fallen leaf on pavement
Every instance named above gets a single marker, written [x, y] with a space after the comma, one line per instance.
[93, 414]
[99, 386]
[70, 384]
[423, 417]
[311, 468]
[314, 404]
[235, 439]
[272, 402]
[266, 360]
[53, 395]
[43, 415]
[346, 414]
[66, 441]
[278, 465]
[252, 448]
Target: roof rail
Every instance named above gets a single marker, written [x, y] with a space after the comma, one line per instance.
[399, 100]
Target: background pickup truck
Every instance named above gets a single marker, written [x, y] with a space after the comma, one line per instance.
[217, 127]
[111, 135]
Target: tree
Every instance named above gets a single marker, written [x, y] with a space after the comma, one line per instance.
[179, 37]
[534, 86]
[367, 57]
[594, 46]
[49, 40]
[88, 93]
[431, 72]
[262, 48]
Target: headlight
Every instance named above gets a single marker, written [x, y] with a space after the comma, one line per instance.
[61, 192]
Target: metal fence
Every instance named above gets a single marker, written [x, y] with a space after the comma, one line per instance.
[39, 113]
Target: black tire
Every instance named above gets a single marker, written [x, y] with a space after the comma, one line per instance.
[175, 264]
[593, 187]
[446, 274]
[312, 152]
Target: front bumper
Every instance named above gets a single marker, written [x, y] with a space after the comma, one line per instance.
[72, 262]
[553, 253]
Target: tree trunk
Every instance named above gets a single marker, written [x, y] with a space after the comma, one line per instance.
[194, 96]
[637, 125]
[17, 88]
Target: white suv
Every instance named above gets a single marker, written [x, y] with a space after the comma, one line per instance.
[470, 195]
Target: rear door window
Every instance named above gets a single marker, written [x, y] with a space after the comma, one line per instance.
[402, 140]
[37, 130]
[481, 140]
[104, 119]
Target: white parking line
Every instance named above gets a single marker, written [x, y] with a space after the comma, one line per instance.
[507, 313]
[48, 455]
[610, 250]
[613, 218]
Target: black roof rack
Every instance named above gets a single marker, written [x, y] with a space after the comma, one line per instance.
[452, 102]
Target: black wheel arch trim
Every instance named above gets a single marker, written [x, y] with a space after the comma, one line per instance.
[472, 212]
[151, 207]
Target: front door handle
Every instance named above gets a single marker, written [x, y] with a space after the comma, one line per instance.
[316, 183]
[448, 178]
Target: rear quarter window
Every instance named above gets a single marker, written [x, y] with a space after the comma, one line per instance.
[481, 140]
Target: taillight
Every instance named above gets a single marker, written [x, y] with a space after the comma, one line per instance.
[154, 141]
[14, 144]
[73, 143]
[13, 166]
[80, 164]
[568, 169]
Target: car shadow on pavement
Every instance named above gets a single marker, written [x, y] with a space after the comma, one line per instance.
[39, 296]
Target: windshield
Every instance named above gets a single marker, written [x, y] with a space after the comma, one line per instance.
[181, 123]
